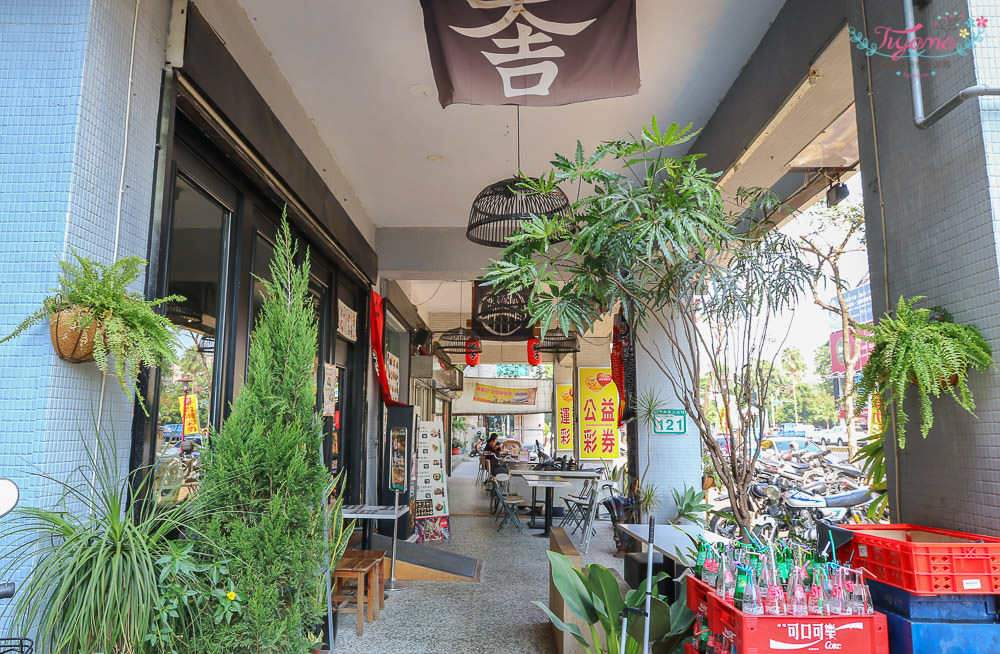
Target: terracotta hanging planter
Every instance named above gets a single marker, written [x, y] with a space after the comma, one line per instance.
[71, 343]
[945, 382]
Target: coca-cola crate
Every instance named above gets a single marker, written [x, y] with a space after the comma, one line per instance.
[768, 634]
[697, 595]
[690, 649]
[925, 560]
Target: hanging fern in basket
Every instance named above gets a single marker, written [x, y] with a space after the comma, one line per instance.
[129, 330]
[926, 349]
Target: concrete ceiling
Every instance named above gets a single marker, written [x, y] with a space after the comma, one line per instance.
[362, 74]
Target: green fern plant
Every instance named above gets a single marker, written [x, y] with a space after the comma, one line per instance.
[924, 348]
[128, 328]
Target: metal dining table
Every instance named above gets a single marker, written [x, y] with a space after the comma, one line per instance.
[672, 541]
[548, 482]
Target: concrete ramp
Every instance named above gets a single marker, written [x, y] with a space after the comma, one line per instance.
[419, 562]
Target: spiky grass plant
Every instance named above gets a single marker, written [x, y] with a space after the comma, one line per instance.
[93, 584]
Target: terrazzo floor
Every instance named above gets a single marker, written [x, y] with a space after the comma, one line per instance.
[493, 616]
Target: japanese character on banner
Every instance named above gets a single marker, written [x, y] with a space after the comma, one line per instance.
[532, 52]
[565, 436]
[564, 416]
[547, 69]
[589, 440]
[590, 411]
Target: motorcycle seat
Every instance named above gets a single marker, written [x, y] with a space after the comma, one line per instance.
[850, 498]
[798, 466]
[848, 470]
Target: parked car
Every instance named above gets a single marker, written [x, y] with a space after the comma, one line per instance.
[795, 430]
[172, 432]
[771, 447]
[833, 436]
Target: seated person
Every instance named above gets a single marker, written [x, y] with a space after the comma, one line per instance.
[492, 445]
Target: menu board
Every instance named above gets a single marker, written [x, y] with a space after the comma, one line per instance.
[564, 416]
[430, 507]
[392, 372]
[330, 376]
[398, 455]
[598, 414]
[347, 321]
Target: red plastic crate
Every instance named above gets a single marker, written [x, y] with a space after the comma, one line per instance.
[690, 649]
[768, 634]
[926, 561]
[697, 595]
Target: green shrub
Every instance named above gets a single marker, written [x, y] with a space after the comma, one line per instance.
[265, 478]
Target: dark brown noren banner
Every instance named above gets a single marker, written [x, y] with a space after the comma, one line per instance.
[539, 53]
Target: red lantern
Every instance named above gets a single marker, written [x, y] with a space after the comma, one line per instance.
[473, 348]
[534, 352]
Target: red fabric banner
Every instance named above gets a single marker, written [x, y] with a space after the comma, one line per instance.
[378, 327]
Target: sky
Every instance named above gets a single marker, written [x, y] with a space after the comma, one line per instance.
[811, 325]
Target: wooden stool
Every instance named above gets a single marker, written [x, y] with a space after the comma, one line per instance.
[371, 560]
[350, 569]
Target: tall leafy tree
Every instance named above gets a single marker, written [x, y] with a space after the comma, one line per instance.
[699, 284]
[793, 370]
[265, 478]
[832, 234]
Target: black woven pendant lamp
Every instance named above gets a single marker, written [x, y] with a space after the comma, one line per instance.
[555, 342]
[457, 340]
[500, 208]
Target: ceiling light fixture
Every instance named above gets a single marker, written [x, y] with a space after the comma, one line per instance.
[500, 208]
[460, 340]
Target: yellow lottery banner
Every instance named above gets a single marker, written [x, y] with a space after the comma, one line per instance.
[598, 414]
[497, 395]
[564, 416]
[189, 410]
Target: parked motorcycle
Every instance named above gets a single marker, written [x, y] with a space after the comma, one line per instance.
[795, 511]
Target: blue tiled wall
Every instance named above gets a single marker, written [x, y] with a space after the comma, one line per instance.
[42, 47]
[64, 142]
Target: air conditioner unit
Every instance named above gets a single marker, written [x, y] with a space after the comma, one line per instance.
[452, 378]
[422, 366]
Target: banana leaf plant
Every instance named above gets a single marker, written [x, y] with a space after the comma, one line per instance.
[595, 598]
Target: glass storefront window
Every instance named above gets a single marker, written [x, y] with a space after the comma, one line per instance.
[187, 390]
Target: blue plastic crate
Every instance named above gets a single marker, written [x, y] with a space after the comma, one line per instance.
[940, 608]
[925, 637]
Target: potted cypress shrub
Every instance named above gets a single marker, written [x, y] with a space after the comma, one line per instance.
[266, 482]
[93, 316]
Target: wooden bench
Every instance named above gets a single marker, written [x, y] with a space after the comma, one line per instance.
[363, 567]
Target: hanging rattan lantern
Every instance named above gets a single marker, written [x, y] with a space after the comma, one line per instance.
[459, 341]
[555, 342]
[500, 208]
